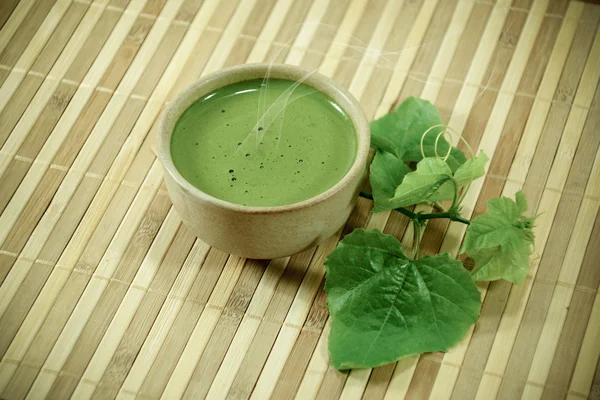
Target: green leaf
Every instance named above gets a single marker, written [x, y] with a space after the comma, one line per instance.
[521, 201]
[385, 306]
[501, 226]
[472, 169]
[400, 132]
[501, 240]
[493, 264]
[432, 181]
[387, 173]
[381, 142]
[455, 159]
[404, 125]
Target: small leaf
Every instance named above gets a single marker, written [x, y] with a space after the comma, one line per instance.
[387, 173]
[385, 306]
[500, 226]
[493, 264]
[500, 241]
[521, 201]
[472, 169]
[432, 181]
[454, 160]
[400, 133]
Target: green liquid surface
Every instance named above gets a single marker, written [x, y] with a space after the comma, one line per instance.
[222, 146]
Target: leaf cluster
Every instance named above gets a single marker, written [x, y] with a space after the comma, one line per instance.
[385, 305]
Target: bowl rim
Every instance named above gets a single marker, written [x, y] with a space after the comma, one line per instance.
[243, 72]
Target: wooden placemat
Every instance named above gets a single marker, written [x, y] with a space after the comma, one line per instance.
[104, 293]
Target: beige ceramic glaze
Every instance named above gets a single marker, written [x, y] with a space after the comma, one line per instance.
[263, 232]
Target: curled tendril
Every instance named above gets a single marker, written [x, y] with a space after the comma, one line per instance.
[437, 139]
[447, 133]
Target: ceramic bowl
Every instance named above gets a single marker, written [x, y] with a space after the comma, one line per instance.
[263, 232]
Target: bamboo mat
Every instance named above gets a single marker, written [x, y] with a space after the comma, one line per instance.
[105, 294]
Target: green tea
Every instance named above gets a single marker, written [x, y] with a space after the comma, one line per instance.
[222, 146]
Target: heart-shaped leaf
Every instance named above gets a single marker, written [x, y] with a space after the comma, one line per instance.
[385, 306]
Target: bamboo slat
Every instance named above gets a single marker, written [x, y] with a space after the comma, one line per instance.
[105, 294]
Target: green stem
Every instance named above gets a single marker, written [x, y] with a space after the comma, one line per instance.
[455, 199]
[416, 239]
[445, 214]
[408, 213]
[438, 206]
[453, 216]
